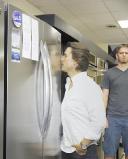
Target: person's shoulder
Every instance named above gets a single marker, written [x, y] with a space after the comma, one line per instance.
[91, 82]
[111, 69]
[93, 86]
[84, 81]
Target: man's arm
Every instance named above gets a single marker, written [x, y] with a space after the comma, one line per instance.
[105, 99]
[97, 114]
[105, 96]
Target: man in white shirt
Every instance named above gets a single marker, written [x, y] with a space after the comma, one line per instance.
[82, 111]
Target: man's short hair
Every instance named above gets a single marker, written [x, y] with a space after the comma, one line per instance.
[81, 56]
[116, 50]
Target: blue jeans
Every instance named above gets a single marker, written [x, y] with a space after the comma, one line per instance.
[91, 154]
[117, 128]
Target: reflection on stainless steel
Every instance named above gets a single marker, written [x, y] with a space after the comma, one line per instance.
[55, 58]
[51, 144]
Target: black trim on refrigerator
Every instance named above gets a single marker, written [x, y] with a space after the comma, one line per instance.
[5, 77]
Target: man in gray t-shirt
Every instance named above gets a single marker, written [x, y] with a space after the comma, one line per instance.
[116, 81]
[115, 94]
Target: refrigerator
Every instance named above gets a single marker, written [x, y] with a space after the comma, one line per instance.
[30, 86]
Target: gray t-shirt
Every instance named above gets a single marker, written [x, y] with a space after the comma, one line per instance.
[117, 82]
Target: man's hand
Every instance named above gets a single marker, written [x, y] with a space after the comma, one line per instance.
[79, 150]
[78, 147]
[86, 142]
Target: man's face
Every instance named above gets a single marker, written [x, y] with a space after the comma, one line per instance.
[122, 56]
[68, 64]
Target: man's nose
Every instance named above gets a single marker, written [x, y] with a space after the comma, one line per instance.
[125, 53]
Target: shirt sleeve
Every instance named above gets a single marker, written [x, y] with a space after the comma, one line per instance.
[105, 82]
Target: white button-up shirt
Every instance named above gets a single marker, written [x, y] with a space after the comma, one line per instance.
[82, 112]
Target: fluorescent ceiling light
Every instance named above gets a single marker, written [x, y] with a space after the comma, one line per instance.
[123, 23]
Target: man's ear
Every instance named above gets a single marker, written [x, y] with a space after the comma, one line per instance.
[116, 56]
[75, 64]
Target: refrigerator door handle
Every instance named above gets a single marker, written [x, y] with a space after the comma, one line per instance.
[47, 95]
[50, 84]
[40, 92]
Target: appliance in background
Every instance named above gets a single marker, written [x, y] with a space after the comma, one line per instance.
[30, 85]
[100, 70]
[92, 59]
[100, 64]
[99, 79]
[91, 72]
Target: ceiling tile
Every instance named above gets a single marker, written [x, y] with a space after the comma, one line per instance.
[90, 17]
[116, 5]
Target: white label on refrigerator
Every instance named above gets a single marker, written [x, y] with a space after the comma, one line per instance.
[26, 48]
[15, 55]
[35, 40]
[16, 38]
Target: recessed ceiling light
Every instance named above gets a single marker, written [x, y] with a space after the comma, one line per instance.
[111, 26]
[123, 23]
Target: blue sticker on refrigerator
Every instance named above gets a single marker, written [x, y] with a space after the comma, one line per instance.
[15, 55]
[17, 18]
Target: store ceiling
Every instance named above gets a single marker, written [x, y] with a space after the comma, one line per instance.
[90, 17]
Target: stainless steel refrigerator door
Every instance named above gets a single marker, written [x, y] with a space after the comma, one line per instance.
[1, 76]
[24, 139]
[52, 43]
